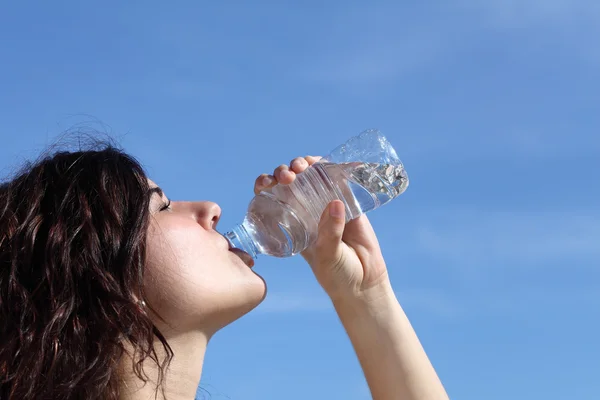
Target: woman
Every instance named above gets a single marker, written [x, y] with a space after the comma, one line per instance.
[110, 290]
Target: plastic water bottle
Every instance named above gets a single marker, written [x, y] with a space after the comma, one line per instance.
[365, 173]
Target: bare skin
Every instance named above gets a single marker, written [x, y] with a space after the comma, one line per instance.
[346, 260]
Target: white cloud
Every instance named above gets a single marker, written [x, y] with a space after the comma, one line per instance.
[480, 247]
[505, 239]
[501, 142]
[429, 301]
[525, 300]
[514, 14]
[294, 302]
[423, 300]
[383, 57]
[376, 43]
[383, 42]
[483, 251]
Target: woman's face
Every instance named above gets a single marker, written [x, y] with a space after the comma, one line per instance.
[192, 280]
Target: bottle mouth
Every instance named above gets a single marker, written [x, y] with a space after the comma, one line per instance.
[239, 238]
[232, 239]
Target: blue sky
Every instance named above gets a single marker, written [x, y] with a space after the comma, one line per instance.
[493, 106]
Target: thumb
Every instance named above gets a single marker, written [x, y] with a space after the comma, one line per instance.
[331, 227]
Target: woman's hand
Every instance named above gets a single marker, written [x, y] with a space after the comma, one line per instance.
[346, 258]
[347, 261]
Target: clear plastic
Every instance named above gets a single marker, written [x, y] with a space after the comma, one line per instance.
[365, 173]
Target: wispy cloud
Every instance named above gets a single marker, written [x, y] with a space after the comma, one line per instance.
[294, 302]
[455, 305]
[571, 25]
[430, 302]
[380, 57]
[513, 14]
[518, 302]
[370, 45]
[423, 300]
[507, 238]
[501, 141]
[380, 44]
[523, 301]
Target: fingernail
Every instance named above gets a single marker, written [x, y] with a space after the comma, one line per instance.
[336, 210]
[298, 163]
[267, 181]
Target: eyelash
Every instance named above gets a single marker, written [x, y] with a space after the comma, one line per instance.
[166, 206]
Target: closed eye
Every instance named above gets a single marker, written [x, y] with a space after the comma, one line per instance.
[167, 206]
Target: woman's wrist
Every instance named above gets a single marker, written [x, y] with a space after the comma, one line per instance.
[376, 299]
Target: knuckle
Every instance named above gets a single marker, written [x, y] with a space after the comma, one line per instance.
[261, 177]
[312, 159]
[298, 160]
[259, 183]
[259, 180]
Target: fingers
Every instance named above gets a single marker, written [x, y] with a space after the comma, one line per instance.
[312, 159]
[299, 164]
[331, 231]
[284, 174]
[264, 182]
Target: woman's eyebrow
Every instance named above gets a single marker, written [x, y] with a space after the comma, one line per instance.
[156, 190]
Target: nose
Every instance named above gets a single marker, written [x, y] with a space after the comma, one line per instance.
[206, 213]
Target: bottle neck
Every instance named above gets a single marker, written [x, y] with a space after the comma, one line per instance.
[240, 238]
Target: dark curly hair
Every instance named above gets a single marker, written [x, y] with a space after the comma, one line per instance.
[72, 253]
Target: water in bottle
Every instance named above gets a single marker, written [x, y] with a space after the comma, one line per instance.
[364, 173]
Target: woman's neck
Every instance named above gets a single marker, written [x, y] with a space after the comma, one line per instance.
[182, 377]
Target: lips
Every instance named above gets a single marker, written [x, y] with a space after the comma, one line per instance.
[245, 257]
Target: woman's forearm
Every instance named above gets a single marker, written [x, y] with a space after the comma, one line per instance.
[392, 358]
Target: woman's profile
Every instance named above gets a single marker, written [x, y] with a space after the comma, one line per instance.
[110, 289]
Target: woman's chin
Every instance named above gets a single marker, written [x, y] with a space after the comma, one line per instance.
[252, 295]
[259, 292]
